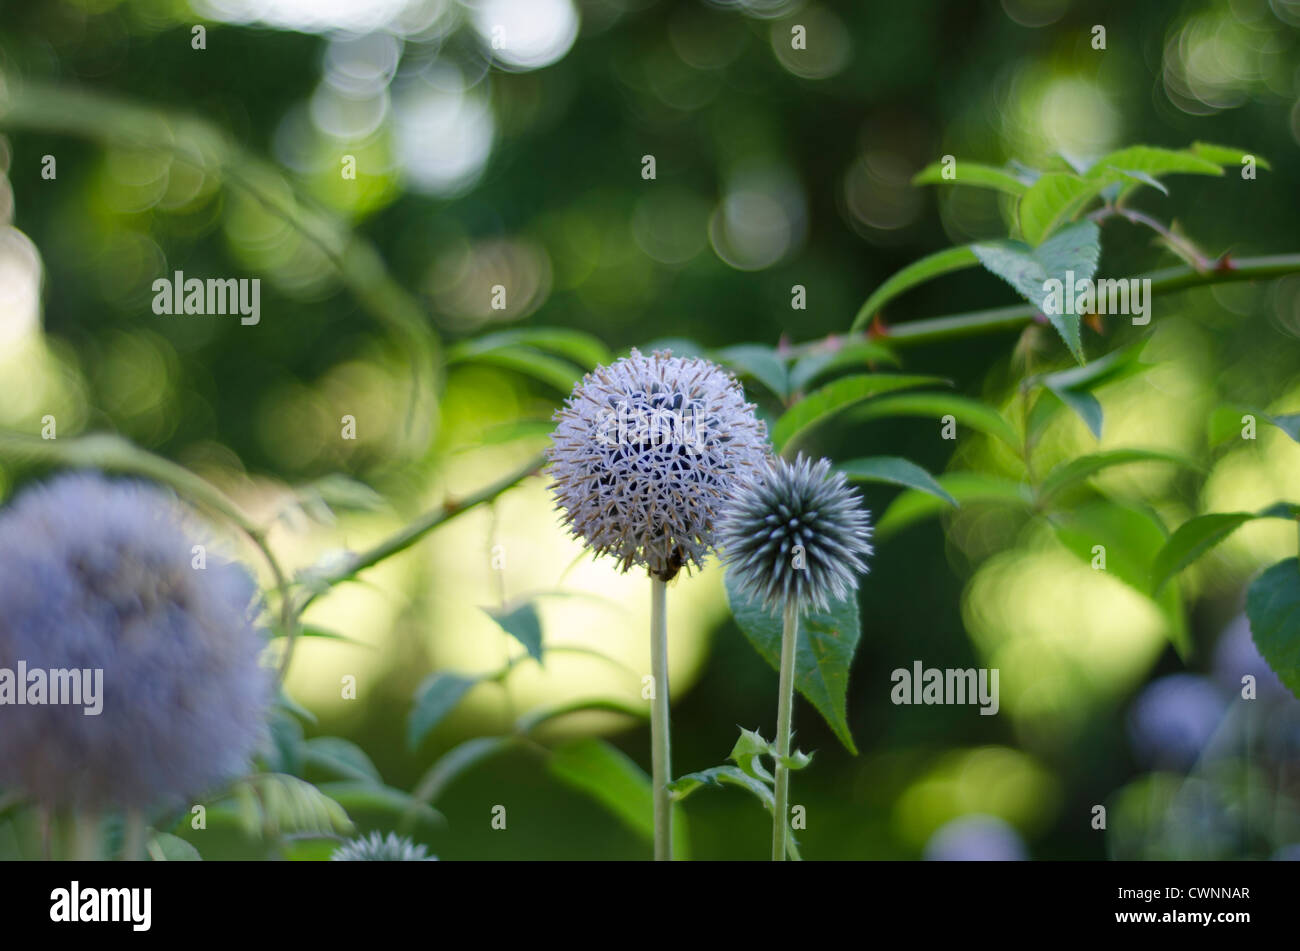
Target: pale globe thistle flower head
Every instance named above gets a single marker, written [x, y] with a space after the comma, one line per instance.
[1173, 720]
[797, 533]
[975, 838]
[376, 848]
[644, 454]
[100, 575]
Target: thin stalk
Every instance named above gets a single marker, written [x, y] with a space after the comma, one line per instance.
[85, 836]
[133, 835]
[784, 721]
[660, 753]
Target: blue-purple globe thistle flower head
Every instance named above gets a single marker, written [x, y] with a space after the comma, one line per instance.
[796, 533]
[1236, 656]
[644, 454]
[975, 838]
[100, 575]
[377, 848]
[1173, 720]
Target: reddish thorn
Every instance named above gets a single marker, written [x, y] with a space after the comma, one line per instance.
[878, 328]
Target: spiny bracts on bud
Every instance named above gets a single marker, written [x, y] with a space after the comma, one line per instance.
[797, 533]
[645, 453]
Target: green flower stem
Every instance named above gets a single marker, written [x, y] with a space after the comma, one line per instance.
[660, 754]
[784, 721]
[85, 836]
[997, 319]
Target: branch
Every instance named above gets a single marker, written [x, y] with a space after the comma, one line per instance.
[411, 533]
[997, 319]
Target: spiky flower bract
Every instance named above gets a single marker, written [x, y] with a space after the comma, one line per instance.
[644, 454]
[101, 575]
[374, 848]
[797, 533]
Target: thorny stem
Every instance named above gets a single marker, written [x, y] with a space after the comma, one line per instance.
[998, 319]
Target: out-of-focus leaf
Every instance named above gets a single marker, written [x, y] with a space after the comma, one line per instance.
[522, 623]
[1227, 155]
[582, 348]
[819, 363]
[382, 800]
[837, 395]
[918, 272]
[275, 804]
[165, 847]
[534, 718]
[561, 374]
[896, 471]
[762, 363]
[457, 761]
[1198, 535]
[1289, 423]
[968, 488]
[1153, 161]
[972, 173]
[606, 774]
[827, 641]
[342, 758]
[1273, 606]
[1075, 470]
[1130, 538]
[963, 409]
[436, 697]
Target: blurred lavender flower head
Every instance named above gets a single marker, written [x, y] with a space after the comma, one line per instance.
[374, 848]
[1174, 719]
[975, 838]
[645, 452]
[96, 574]
[797, 532]
[1235, 656]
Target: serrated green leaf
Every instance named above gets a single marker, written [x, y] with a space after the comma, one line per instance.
[761, 363]
[1198, 535]
[1075, 249]
[1051, 201]
[342, 758]
[896, 471]
[1273, 606]
[1075, 470]
[796, 760]
[436, 697]
[521, 622]
[968, 488]
[719, 776]
[935, 406]
[838, 395]
[827, 641]
[748, 753]
[974, 174]
[918, 272]
[277, 804]
[607, 775]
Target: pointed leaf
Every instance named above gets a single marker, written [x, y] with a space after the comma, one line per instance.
[935, 406]
[1075, 470]
[522, 623]
[827, 641]
[1051, 202]
[1273, 606]
[895, 470]
[918, 272]
[1198, 535]
[972, 173]
[436, 697]
[835, 396]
